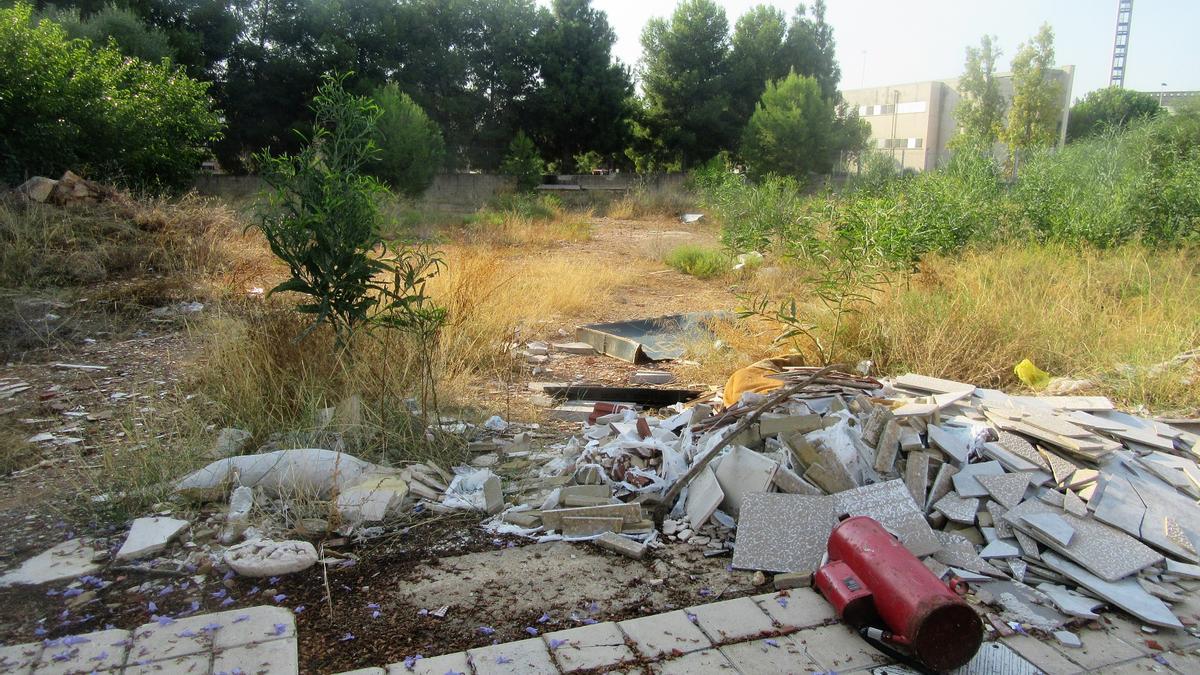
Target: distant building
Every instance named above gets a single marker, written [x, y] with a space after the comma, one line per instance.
[1171, 100]
[915, 121]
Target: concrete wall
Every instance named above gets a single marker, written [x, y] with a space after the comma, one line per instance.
[465, 192]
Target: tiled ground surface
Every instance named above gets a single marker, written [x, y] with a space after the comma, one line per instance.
[244, 641]
[789, 632]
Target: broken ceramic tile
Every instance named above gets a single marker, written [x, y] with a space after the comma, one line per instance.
[958, 509]
[1008, 489]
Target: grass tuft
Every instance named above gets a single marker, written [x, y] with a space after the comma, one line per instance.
[699, 261]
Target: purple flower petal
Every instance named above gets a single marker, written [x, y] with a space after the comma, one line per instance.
[376, 614]
[531, 630]
[99, 657]
[280, 628]
[299, 609]
[501, 660]
[705, 592]
[782, 601]
[486, 630]
[556, 643]
[254, 590]
[593, 607]
[220, 593]
[166, 589]
[372, 605]
[72, 592]
[227, 602]
[151, 606]
[211, 627]
[63, 656]
[544, 617]
[773, 643]
[692, 617]
[410, 662]
[272, 581]
[422, 612]
[163, 620]
[347, 637]
[589, 621]
[280, 597]
[228, 575]
[186, 633]
[241, 617]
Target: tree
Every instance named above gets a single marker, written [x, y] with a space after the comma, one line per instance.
[757, 57]
[685, 76]
[411, 149]
[1036, 103]
[1112, 107]
[582, 103]
[322, 219]
[810, 49]
[791, 130]
[523, 163]
[67, 105]
[120, 24]
[980, 111]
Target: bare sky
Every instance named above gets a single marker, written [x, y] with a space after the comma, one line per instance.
[916, 40]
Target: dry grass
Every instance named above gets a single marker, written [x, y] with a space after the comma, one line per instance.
[651, 202]
[1109, 316]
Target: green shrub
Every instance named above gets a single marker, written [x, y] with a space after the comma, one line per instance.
[323, 219]
[411, 149]
[523, 163]
[698, 261]
[65, 105]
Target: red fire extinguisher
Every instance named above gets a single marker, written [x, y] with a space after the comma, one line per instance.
[878, 587]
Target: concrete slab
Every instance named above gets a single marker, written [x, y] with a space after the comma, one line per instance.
[796, 608]
[148, 536]
[707, 661]
[780, 655]
[67, 560]
[103, 650]
[1099, 649]
[179, 665]
[251, 625]
[732, 620]
[997, 658]
[596, 647]
[19, 659]
[436, 665]
[661, 634]
[524, 657]
[837, 648]
[1042, 654]
[276, 656]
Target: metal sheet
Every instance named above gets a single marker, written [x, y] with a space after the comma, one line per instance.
[659, 339]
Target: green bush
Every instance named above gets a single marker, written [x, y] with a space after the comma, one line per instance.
[699, 261]
[411, 149]
[523, 163]
[65, 105]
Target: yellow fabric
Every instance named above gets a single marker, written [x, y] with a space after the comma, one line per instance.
[1031, 375]
[754, 378]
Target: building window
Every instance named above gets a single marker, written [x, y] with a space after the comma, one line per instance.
[892, 108]
[908, 143]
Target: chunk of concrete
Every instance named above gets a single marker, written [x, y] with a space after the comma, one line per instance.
[651, 376]
[493, 495]
[267, 558]
[790, 580]
[587, 526]
[581, 348]
[703, 497]
[68, 560]
[230, 442]
[371, 500]
[148, 536]
[624, 545]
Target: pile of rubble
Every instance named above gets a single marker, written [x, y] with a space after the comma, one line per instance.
[1051, 505]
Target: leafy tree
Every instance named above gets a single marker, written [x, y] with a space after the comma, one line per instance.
[1036, 104]
[980, 112]
[582, 103]
[322, 219]
[685, 76]
[523, 163]
[120, 24]
[1112, 107]
[810, 49]
[587, 162]
[65, 105]
[791, 130]
[757, 57]
[411, 145]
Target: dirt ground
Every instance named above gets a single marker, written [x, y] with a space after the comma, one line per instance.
[507, 584]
